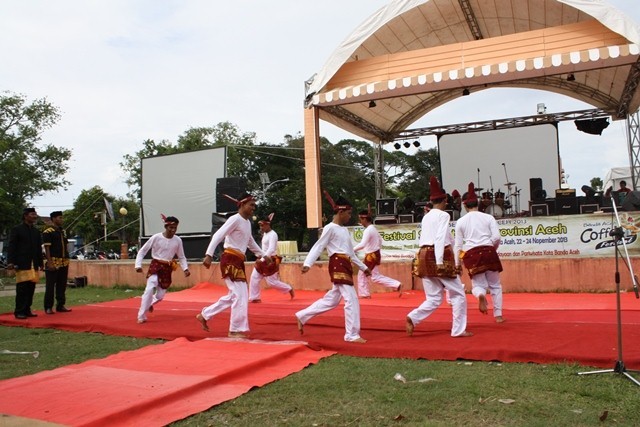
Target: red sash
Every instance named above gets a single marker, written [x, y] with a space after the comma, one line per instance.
[341, 270]
[480, 259]
[269, 269]
[427, 266]
[232, 265]
[372, 259]
[163, 270]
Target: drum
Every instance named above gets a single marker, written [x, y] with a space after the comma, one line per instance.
[494, 210]
[499, 198]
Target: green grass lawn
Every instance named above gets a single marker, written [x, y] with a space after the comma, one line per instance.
[351, 391]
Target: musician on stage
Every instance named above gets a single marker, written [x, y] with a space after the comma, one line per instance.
[476, 243]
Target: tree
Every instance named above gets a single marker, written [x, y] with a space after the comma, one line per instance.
[28, 167]
[596, 183]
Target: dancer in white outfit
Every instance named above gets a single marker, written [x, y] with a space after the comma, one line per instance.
[236, 233]
[371, 243]
[437, 267]
[476, 243]
[164, 248]
[268, 272]
[336, 239]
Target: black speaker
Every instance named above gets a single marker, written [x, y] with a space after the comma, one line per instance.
[233, 186]
[536, 191]
[566, 205]
[387, 207]
[631, 201]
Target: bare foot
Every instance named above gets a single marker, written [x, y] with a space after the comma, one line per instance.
[409, 326]
[203, 322]
[150, 309]
[292, 293]
[257, 301]
[300, 326]
[236, 335]
[464, 334]
[141, 321]
[359, 341]
[367, 297]
[482, 304]
[399, 290]
[499, 319]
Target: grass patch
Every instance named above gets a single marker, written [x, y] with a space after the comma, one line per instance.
[351, 391]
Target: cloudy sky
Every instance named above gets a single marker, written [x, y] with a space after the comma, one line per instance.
[122, 71]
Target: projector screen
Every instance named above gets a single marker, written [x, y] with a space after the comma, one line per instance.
[519, 154]
[181, 185]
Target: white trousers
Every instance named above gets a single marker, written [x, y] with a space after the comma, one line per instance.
[488, 281]
[237, 300]
[272, 281]
[434, 288]
[150, 298]
[331, 300]
[364, 282]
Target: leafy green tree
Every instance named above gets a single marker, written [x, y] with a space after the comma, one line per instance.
[596, 183]
[28, 167]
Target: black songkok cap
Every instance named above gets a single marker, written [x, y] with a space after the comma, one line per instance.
[55, 214]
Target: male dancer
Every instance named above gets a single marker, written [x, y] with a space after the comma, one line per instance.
[236, 233]
[476, 243]
[371, 243]
[336, 239]
[164, 247]
[268, 272]
[437, 267]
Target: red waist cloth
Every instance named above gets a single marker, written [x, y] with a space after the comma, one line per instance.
[480, 259]
[427, 263]
[341, 270]
[163, 270]
[269, 269]
[232, 265]
[372, 259]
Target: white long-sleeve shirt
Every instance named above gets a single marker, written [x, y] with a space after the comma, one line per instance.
[435, 232]
[270, 243]
[371, 240]
[236, 233]
[163, 249]
[336, 239]
[476, 229]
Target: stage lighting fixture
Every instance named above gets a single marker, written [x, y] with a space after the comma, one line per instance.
[397, 145]
[541, 108]
[372, 104]
[406, 144]
[416, 143]
[571, 78]
[465, 92]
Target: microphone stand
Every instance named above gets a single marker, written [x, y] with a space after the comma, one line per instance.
[618, 236]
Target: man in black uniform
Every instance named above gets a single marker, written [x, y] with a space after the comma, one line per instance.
[57, 264]
[25, 257]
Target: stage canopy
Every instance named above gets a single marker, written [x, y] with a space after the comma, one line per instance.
[413, 56]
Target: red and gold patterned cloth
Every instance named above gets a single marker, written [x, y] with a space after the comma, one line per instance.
[427, 263]
[232, 265]
[269, 269]
[372, 259]
[163, 269]
[341, 270]
[480, 259]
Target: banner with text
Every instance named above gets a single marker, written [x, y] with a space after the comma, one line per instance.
[571, 236]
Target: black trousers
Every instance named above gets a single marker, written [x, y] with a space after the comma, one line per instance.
[24, 297]
[56, 284]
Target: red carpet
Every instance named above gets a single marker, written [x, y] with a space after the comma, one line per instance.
[540, 328]
[155, 385]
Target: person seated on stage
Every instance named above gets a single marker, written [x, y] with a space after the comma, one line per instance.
[623, 187]
[456, 204]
